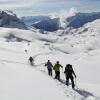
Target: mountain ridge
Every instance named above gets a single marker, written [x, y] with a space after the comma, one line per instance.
[64, 21]
[9, 19]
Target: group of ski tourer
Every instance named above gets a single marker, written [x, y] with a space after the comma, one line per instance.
[69, 72]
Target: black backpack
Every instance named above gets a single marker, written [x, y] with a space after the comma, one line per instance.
[31, 59]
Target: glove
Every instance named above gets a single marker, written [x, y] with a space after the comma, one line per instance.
[45, 64]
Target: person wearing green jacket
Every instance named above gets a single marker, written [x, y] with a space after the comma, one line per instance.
[56, 68]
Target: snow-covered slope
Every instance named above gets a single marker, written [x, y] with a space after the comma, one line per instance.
[75, 41]
[15, 34]
[19, 81]
[10, 20]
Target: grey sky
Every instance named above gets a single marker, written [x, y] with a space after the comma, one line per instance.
[36, 7]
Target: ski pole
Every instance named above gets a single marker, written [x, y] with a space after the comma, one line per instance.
[63, 73]
[76, 83]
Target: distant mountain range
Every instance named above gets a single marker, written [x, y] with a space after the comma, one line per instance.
[42, 22]
[80, 19]
[47, 23]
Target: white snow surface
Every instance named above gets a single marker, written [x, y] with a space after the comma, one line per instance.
[20, 81]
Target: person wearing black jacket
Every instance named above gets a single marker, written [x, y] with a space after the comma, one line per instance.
[69, 72]
[31, 60]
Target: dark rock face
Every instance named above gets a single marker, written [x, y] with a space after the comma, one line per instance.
[82, 18]
[48, 25]
[45, 23]
[10, 20]
[30, 20]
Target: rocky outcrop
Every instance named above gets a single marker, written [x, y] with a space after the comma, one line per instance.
[10, 20]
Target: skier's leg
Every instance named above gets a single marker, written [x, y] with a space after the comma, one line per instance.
[67, 80]
[31, 63]
[72, 80]
[58, 75]
[51, 72]
[55, 74]
[48, 71]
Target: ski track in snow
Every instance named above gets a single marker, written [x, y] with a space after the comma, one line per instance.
[9, 61]
[77, 94]
[81, 93]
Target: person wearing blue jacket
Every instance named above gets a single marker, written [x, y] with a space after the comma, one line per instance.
[49, 67]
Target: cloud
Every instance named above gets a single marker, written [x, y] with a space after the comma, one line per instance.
[35, 7]
[65, 15]
[14, 4]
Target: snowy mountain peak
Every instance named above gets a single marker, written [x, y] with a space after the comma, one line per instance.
[8, 12]
[10, 20]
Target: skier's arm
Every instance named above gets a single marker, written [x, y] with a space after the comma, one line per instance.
[51, 65]
[61, 66]
[65, 70]
[45, 64]
[54, 67]
[74, 73]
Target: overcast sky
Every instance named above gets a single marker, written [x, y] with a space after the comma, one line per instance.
[41, 7]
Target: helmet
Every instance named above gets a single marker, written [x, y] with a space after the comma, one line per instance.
[57, 62]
